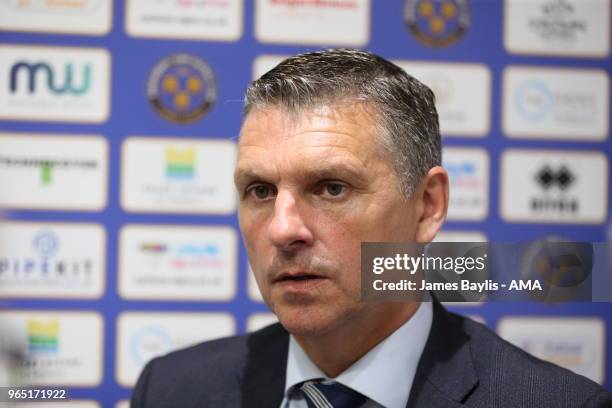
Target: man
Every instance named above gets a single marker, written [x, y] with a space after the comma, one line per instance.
[337, 148]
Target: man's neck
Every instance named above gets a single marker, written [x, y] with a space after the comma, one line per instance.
[338, 349]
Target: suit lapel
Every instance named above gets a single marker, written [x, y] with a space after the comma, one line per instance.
[445, 375]
[263, 384]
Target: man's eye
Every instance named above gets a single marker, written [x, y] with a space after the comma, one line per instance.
[261, 191]
[334, 189]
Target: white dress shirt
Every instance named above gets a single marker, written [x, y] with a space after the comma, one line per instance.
[384, 374]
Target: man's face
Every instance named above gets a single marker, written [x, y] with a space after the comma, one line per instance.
[313, 187]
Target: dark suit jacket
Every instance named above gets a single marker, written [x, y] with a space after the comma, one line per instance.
[464, 364]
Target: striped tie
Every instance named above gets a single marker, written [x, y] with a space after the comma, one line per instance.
[331, 395]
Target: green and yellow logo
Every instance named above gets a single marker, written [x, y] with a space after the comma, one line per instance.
[43, 337]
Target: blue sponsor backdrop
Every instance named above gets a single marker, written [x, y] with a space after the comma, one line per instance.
[232, 63]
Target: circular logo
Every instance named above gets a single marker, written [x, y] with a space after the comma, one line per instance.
[534, 100]
[46, 243]
[437, 23]
[561, 267]
[182, 88]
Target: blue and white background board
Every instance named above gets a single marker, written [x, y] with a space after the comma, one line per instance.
[118, 127]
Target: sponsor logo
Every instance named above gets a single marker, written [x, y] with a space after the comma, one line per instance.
[558, 21]
[41, 172]
[47, 165]
[178, 176]
[558, 27]
[182, 88]
[555, 103]
[187, 263]
[334, 22]
[559, 186]
[148, 342]
[463, 95]
[468, 175]
[535, 101]
[199, 19]
[55, 263]
[43, 336]
[558, 180]
[54, 84]
[180, 163]
[46, 266]
[42, 70]
[59, 348]
[143, 336]
[74, 16]
[437, 23]
[574, 343]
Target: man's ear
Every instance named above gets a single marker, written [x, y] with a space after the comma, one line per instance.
[433, 205]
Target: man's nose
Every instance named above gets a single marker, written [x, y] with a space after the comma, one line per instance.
[288, 229]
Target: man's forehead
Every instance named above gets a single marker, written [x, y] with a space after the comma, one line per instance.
[275, 124]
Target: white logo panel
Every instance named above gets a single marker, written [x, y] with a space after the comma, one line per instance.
[253, 289]
[93, 17]
[577, 344]
[60, 348]
[51, 260]
[468, 171]
[265, 63]
[554, 186]
[463, 95]
[53, 172]
[54, 84]
[178, 175]
[143, 336]
[555, 103]
[558, 27]
[338, 22]
[177, 263]
[200, 20]
[258, 321]
[460, 236]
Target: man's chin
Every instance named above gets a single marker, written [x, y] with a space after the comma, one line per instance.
[307, 321]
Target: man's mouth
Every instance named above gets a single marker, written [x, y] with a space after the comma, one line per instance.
[298, 277]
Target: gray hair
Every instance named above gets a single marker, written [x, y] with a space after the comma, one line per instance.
[405, 108]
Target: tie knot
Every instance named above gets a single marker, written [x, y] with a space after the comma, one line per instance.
[331, 395]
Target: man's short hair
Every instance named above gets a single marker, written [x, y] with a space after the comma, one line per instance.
[405, 108]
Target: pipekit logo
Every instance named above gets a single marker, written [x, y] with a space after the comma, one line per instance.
[51, 260]
[437, 23]
[182, 88]
[54, 84]
[554, 186]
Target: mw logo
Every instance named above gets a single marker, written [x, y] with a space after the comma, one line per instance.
[40, 70]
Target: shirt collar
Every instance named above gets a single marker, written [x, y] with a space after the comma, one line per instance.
[376, 374]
